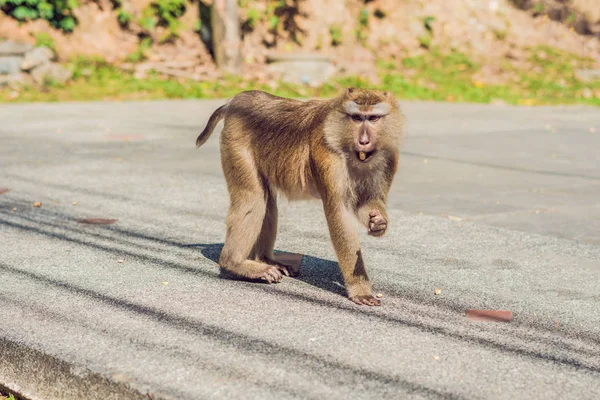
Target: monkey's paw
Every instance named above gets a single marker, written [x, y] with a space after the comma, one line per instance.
[270, 274]
[285, 269]
[368, 300]
[377, 223]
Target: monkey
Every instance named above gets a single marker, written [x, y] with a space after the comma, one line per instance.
[343, 151]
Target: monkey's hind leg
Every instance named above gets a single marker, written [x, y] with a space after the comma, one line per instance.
[244, 220]
[263, 248]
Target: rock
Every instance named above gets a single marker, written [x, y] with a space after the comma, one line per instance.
[588, 75]
[587, 93]
[35, 57]
[10, 65]
[301, 68]
[15, 80]
[51, 72]
[10, 48]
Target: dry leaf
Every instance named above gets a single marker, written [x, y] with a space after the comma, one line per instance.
[453, 218]
[379, 295]
[437, 291]
[120, 261]
[489, 315]
[165, 283]
[37, 204]
[74, 203]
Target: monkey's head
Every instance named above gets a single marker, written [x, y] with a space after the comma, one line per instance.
[369, 121]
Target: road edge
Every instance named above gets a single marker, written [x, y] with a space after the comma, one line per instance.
[34, 375]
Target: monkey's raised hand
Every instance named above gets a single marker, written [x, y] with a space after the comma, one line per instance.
[377, 223]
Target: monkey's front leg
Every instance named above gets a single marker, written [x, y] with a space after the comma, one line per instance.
[374, 217]
[347, 248]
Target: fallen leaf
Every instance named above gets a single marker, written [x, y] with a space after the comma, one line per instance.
[74, 203]
[120, 260]
[97, 221]
[437, 291]
[489, 315]
[379, 295]
[436, 358]
[453, 218]
[165, 283]
[37, 204]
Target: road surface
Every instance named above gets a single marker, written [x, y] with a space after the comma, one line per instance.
[497, 206]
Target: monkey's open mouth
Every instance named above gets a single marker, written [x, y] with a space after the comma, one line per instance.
[365, 156]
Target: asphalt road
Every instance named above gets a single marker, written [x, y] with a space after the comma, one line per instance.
[497, 206]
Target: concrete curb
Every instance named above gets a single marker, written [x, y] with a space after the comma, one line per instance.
[35, 375]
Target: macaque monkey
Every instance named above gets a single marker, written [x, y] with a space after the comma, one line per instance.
[343, 151]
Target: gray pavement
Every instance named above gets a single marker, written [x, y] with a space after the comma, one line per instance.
[498, 206]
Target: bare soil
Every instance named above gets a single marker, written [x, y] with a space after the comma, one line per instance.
[496, 33]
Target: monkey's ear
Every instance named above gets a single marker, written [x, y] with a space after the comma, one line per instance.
[389, 95]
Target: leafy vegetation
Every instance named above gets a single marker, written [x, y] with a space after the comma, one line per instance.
[59, 13]
[140, 53]
[44, 39]
[425, 39]
[336, 35]
[433, 76]
[9, 396]
[363, 26]
[167, 13]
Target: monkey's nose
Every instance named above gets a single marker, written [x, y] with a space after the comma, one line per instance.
[365, 145]
[364, 140]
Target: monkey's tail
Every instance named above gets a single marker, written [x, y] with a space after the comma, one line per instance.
[214, 119]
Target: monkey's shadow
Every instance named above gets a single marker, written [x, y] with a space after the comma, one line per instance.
[318, 272]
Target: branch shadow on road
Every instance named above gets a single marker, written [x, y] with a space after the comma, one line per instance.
[318, 272]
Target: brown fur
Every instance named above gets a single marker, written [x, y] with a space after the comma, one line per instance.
[305, 149]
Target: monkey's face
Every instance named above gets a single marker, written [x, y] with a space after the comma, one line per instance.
[365, 123]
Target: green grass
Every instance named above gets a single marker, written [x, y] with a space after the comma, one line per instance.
[433, 76]
[7, 396]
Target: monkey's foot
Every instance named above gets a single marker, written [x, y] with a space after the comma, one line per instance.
[286, 269]
[256, 271]
[377, 223]
[368, 300]
[269, 274]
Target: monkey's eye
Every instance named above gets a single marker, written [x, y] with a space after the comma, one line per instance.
[356, 118]
[374, 118]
